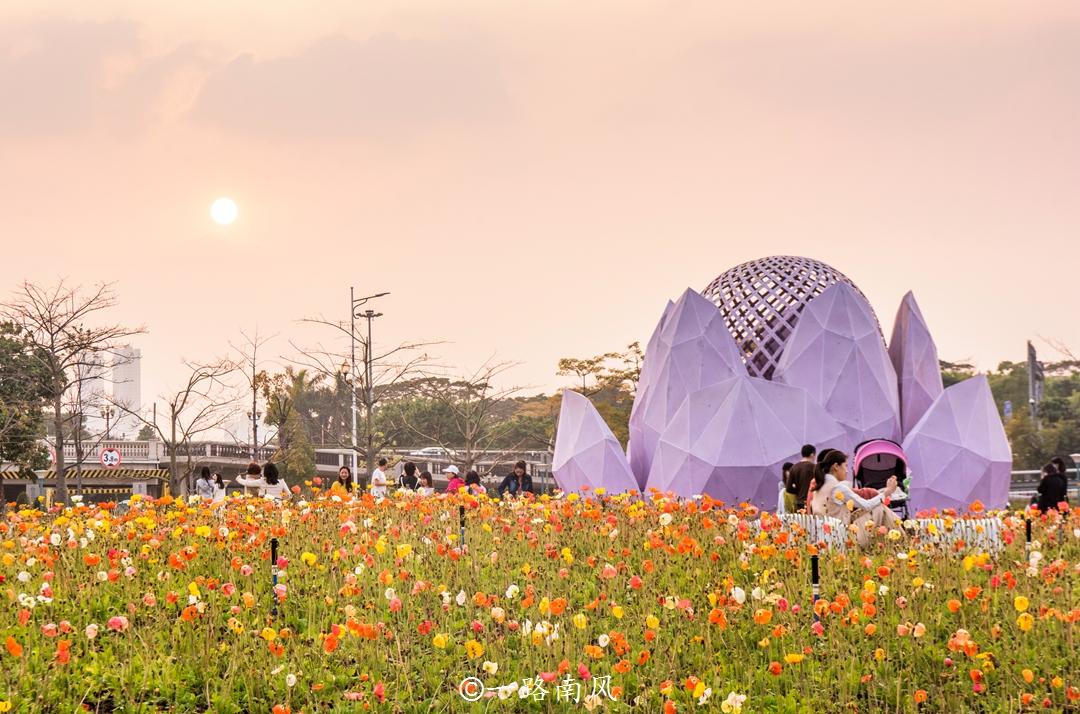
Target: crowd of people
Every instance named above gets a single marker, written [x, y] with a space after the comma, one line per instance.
[818, 484]
[1053, 485]
[266, 482]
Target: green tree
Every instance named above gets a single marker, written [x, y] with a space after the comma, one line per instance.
[22, 423]
[1009, 383]
[298, 459]
[953, 372]
[614, 377]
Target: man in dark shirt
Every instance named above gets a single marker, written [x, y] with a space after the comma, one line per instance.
[517, 482]
[800, 476]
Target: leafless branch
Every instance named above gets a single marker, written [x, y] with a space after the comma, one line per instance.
[54, 322]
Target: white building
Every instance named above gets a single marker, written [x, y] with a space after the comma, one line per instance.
[92, 393]
[127, 390]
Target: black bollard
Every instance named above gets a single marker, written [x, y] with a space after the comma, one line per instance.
[815, 584]
[273, 576]
[461, 515]
[1027, 529]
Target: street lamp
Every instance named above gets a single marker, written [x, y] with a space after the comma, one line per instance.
[107, 413]
[254, 416]
[369, 315]
[346, 374]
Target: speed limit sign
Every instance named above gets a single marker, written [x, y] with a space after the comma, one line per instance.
[110, 458]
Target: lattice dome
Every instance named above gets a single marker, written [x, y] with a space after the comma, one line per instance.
[761, 302]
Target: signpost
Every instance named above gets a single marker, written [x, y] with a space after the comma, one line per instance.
[110, 458]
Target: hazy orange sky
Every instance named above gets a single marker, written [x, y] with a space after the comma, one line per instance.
[536, 179]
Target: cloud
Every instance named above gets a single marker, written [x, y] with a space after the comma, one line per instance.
[52, 74]
[341, 87]
[63, 77]
[926, 76]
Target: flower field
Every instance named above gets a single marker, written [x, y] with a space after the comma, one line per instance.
[554, 604]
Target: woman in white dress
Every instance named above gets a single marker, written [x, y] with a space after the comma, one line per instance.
[219, 489]
[424, 485]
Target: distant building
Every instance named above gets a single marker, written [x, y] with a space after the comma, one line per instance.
[127, 390]
[93, 394]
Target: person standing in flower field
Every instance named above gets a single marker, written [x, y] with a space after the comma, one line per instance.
[253, 480]
[204, 486]
[516, 483]
[269, 485]
[424, 486]
[408, 476]
[786, 504]
[344, 480]
[799, 478]
[378, 480]
[1053, 488]
[472, 483]
[454, 480]
[219, 489]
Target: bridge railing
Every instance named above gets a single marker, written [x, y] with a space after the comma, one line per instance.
[145, 451]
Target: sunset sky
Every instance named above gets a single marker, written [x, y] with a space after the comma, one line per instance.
[535, 179]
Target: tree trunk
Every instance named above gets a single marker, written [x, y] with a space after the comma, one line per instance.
[61, 481]
[79, 454]
[174, 481]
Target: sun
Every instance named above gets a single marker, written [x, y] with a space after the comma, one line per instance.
[223, 211]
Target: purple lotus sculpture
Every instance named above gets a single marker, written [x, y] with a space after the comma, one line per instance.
[837, 354]
[730, 440]
[915, 358]
[587, 454]
[707, 419]
[958, 452]
[693, 350]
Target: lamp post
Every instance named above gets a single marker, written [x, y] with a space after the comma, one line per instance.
[354, 303]
[254, 416]
[107, 414]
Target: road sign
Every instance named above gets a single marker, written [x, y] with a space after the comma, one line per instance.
[110, 458]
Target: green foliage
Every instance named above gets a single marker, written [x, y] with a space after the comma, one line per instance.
[297, 459]
[1058, 429]
[22, 396]
[614, 377]
[953, 372]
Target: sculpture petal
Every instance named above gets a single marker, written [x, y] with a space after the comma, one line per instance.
[958, 451]
[587, 454]
[915, 358]
[837, 354]
[692, 349]
[729, 440]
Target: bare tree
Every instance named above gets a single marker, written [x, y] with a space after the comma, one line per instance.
[470, 408]
[204, 403]
[81, 400]
[250, 366]
[390, 369]
[54, 321]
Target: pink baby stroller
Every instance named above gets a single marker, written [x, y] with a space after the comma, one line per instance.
[875, 461]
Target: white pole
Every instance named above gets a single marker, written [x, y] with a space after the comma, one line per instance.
[352, 338]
